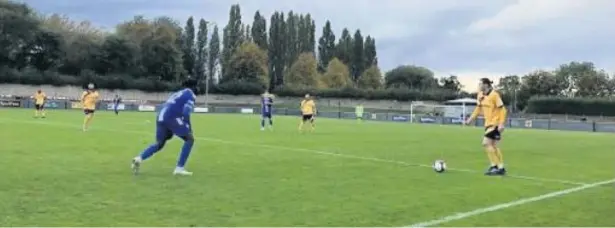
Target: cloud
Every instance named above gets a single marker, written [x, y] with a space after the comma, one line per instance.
[471, 39]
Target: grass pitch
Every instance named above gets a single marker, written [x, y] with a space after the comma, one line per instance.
[344, 174]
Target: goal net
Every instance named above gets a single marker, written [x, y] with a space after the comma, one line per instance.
[441, 114]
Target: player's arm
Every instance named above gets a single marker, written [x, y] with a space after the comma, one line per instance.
[314, 108]
[83, 97]
[474, 114]
[188, 109]
[500, 111]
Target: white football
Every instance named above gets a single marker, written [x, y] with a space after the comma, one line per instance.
[439, 166]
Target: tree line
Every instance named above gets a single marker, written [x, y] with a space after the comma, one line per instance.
[279, 53]
[570, 88]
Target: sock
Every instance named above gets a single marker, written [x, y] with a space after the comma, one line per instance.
[43, 113]
[263, 122]
[270, 122]
[35, 113]
[301, 125]
[491, 155]
[500, 158]
[185, 153]
[151, 150]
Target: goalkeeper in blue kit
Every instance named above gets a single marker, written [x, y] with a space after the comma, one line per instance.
[266, 110]
[173, 119]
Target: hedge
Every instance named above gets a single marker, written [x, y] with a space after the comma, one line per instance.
[153, 84]
[382, 94]
[572, 106]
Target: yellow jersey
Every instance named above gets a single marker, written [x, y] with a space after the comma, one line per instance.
[492, 107]
[89, 99]
[308, 107]
[39, 98]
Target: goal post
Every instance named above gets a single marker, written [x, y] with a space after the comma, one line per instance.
[442, 114]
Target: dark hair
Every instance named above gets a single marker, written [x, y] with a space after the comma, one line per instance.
[486, 81]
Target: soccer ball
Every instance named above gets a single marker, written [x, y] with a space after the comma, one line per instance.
[439, 166]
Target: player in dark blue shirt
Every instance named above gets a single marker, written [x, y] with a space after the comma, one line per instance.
[116, 103]
[266, 110]
[173, 119]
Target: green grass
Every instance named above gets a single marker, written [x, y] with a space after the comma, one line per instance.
[344, 174]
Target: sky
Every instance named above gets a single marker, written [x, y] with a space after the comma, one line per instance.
[467, 38]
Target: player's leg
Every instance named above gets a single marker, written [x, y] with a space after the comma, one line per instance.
[89, 114]
[36, 111]
[498, 154]
[184, 154]
[490, 150]
[270, 117]
[115, 107]
[303, 119]
[163, 134]
[312, 123]
[42, 110]
[183, 131]
[263, 122]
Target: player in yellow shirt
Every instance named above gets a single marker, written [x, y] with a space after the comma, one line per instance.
[308, 111]
[39, 104]
[88, 101]
[491, 106]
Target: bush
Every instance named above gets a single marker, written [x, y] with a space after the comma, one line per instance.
[370, 94]
[573, 106]
[238, 88]
[154, 84]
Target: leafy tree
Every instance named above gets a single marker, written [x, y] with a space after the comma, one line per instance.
[213, 60]
[540, 83]
[337, 75]
[303, 73]
[188, 49]
[509, 84]
[370, 51]
[292, 39]
[357, 58]
[326, 47]
[371, 78]
[311, 36]
[233, 37]
[581, 78]
[259, 31]
[343, 48]
[118, 56]
[451, 83]
[136, 29]
[248, 64]
[277, 50]
[412, 77]
[18, 28]
[67, 27]
[306, 34]
[201, 51]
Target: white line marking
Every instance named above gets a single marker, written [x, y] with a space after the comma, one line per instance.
[497, 207]
[314, 152]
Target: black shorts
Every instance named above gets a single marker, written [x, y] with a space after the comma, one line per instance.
[39, 106]
[493, 133]
[308, 117]
[88, 111]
